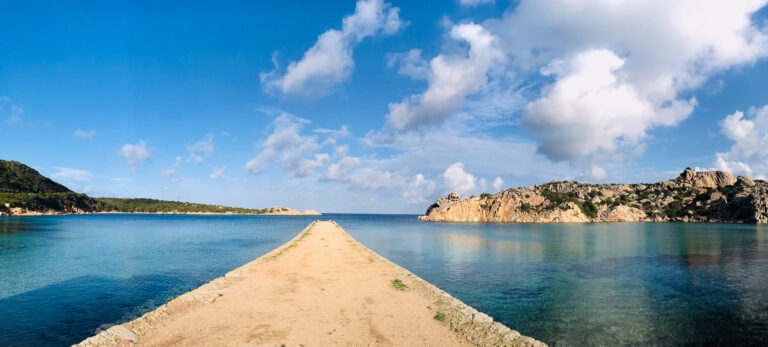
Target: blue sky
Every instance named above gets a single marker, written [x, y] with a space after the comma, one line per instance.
[376, 106]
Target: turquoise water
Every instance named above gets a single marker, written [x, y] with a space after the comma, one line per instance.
[590, 284]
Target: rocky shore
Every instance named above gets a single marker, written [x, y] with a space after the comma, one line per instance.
[321, 288]
[710, 196]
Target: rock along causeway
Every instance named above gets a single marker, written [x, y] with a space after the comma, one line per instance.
[321, 288]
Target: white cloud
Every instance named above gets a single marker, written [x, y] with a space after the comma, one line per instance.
[749, 153]
[455, 179]
[69, 174]
[636, 57]
[218, 172]
[596, 173]
[590, 109]
[473, 3]
[369, 178]
[338, 170]
[307, 167]
[169, 173]
[200, 149]
[410, 64]
[334, 133]
[14, 112]
[498, 183]
[329, 62]
[419, 189]
[451, 79]
[85, 134]
[285, 145]
[135, 153]
[341, 151]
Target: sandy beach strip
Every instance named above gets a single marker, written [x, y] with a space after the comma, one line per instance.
[321, 288]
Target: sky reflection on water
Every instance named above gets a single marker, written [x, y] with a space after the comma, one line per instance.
[574, 285]
[595, 284]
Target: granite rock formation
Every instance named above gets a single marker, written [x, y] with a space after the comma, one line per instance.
[710, 196]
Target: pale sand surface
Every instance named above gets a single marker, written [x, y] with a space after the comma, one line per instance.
[326, 291]
[322, 288]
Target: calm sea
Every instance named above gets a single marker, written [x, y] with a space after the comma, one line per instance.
[63, 277]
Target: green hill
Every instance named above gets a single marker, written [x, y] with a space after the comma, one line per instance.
[16, 177]
[152, 205]
[23, 187]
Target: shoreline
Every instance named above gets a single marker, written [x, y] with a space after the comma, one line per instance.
[419, 314]
[57, 213]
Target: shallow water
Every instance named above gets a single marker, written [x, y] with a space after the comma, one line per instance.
[592, 284]
[65, 276]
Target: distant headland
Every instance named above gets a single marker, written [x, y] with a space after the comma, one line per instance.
[25, 192]
[710, 196]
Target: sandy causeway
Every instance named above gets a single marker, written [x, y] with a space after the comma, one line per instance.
[322, 288]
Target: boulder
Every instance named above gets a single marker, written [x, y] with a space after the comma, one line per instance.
[744, 181]
[123, 333]
[623, 213]
[707, 179]
[453, 196]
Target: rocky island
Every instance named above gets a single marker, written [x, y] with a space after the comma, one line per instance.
[25, 192]
[709, 196]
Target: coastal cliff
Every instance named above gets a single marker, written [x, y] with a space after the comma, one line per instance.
[710, 196]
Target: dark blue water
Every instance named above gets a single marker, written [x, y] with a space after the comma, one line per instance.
[591, 284]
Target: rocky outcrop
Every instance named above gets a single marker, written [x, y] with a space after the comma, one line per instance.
[710, 196]
[7, 210]
[284, 211]
[707, 179]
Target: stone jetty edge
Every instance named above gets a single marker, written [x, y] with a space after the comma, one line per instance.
[477, 327]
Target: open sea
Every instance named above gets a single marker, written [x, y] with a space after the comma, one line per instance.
[64, 277]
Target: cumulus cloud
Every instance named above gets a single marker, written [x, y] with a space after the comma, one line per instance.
[419, 189]
[473, 3]
[409, 64]
[284, 144]
[749, 152]
[169, 173]
[370, 178]
[69, 174]
[589, 108]
[329, 62]
[201, 149]
[350, 171]
[498, 183]
[635, 57]
[338, 170]
[455, 179]
[85, 134]
[450, 78]
[218, 172]
[289, 147]
[307, 167]
[135, 153]
[341, 151]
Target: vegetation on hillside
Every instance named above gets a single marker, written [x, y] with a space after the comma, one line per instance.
[16, 177]
[48, 201]
[152, 205]
[24, 187]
